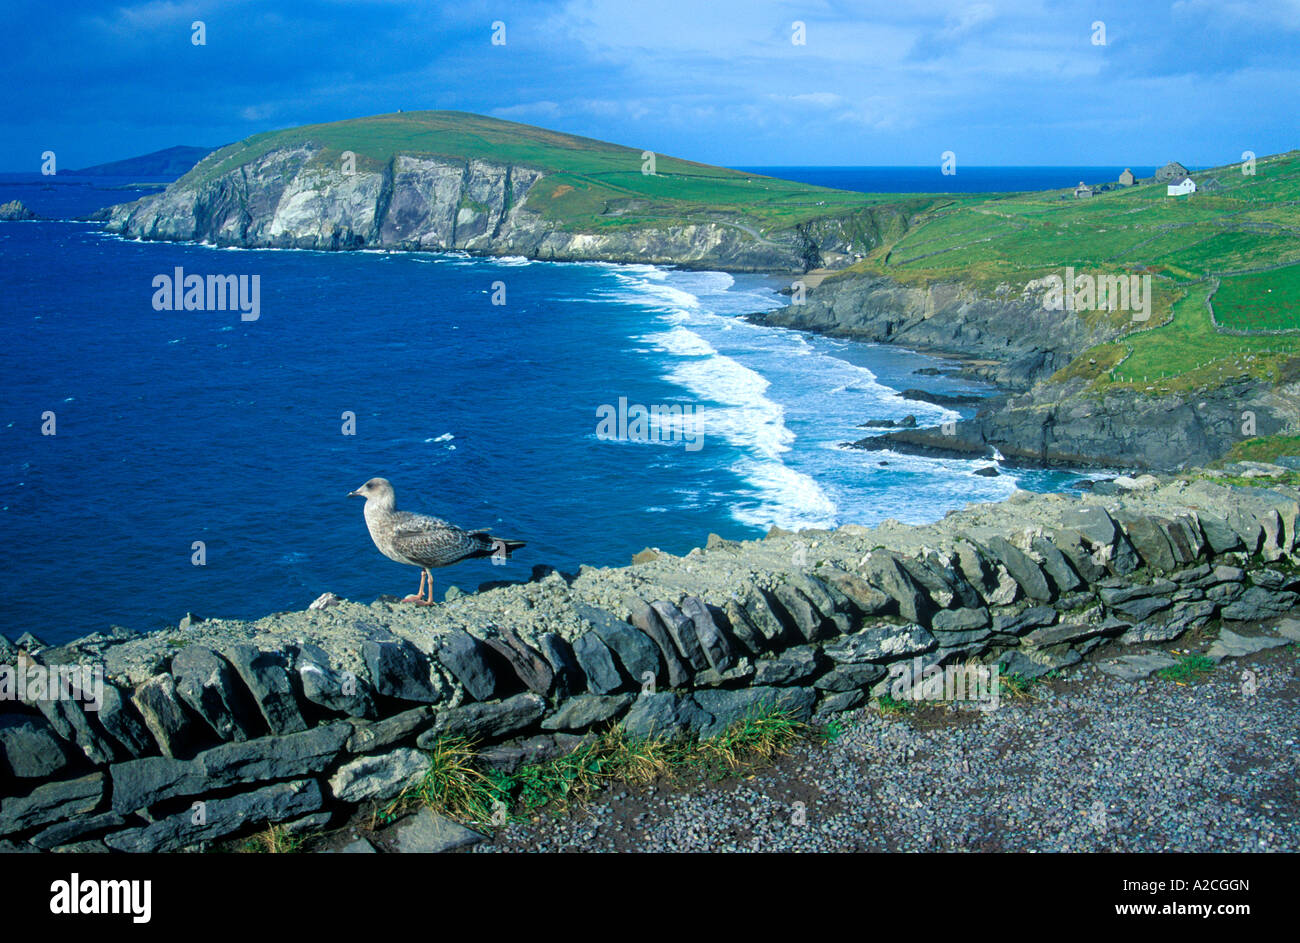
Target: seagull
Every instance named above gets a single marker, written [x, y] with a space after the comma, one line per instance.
[420, 540]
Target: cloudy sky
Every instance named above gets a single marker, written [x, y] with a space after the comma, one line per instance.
[999, 83]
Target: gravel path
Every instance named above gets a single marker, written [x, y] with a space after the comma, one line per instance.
[1094, 764]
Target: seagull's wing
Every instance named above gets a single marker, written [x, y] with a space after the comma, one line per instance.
[432, 542]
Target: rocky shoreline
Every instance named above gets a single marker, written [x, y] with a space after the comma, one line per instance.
[304, 717]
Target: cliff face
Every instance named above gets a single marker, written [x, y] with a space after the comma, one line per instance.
[286, 200]
[1013, 342]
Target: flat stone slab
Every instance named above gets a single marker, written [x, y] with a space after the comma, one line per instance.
[427, 833]
[1231, 645]
[1137, 667]
[1288, 628]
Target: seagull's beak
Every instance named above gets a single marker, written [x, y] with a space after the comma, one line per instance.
[355, 494]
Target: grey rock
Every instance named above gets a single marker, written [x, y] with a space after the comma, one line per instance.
[742, 670]
[1137, 667]
[462, 655]
[1219, 533]
[597, 664]
[743, 629]
[1022, 569]
[528, 666]
[1022, 622]
[381, 734]
[164, 717]
[336, 690]
[960, 620]
[1116, 595]
[222, 817]
[484, 720]
[1257, 604]
[206, 682]
[763, 616]
[359, 847]
[882, 643]
[264, 674]
[1057, 565]
[682, 631]
[647, 620]
[834, 606]
[122, 722]
[867, 599]
[804, 617]
[1289, 629]
[579, 713]
[883, 570]
[378, 777]
[51, 802]
[509, 757]
[790, 667]
[636, 651]
[729, 706]
[1070, 545]
[850, 677]
[1142, 608]
[1231, 645]
[558, 653]
[64, 833]
[400, 670]
[29, 748]
[1058, 634]
[1149, 537]
[664, 714]
[427, 832]
[717, 648]
[838, 703]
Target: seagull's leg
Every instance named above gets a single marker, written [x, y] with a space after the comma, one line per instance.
[419, 599]
[429, 573]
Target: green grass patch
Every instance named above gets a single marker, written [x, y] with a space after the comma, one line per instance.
[1190, 669]
[1267, 301]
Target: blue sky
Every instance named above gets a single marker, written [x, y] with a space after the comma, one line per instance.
[998, 83]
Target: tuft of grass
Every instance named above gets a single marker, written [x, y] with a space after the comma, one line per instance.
[274, 840]
[754, 740]
[894, 708]
[1018, 687]
[1190, 669]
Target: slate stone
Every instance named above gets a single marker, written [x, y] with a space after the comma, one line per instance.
[530, 667]
[579, 713]
[1184, 538]
[647, 620]
[1148, 536]
[1022, 569]
[597, 664]
[1136, 667]
[883, 570]
[378, 777]
[1231, 645]
[29, 748]
[850, 677]
[1070, 545]
[335, 690]
[63, 833]
[792, 666]
[123, 723]
[728, 706]
[1219, 533]
[741, 671]
[359, 847]
[960, 620]
[206, 682]
[1058, 634]
[682, 632]
[867, 599]
[1289, 629]
[1273, 580]
[558, 653]
[484, 720]
[833, 605]
[881, 643]
[164, 717]
[400, 670]
[1057, 566]
[838, 703]
[508, 757]
[462, 655]
[1020, 623]
[381, 734]
[803, 615]
[636, 652]
[1249, 530]
[222, 817]
[759, 608]
[743, 629]
[51, 802]
[1257, 604]
[427, 832]
[717, 648]
[977, 569]
[1143, 608]
[264, 674]
[1018, 663]
[664, 714]
[138, 784]
[1115, 595]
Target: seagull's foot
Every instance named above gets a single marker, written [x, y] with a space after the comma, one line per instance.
[418, 600]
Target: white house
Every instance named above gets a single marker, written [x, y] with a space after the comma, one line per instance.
[1181, 186]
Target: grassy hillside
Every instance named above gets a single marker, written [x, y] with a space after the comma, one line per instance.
[590, 185]
[1237, 247]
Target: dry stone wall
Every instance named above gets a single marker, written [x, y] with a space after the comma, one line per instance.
[223, 727]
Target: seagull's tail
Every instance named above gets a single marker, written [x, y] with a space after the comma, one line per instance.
[496, 547]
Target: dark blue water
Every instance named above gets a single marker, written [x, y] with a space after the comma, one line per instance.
[183, 426]
[932, 180]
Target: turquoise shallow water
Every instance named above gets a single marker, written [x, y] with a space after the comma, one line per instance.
[180, 426]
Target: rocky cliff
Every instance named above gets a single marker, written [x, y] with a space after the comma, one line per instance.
[288, 198]
[1012, 341]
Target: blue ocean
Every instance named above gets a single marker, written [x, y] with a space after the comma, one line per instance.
[187, 435]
